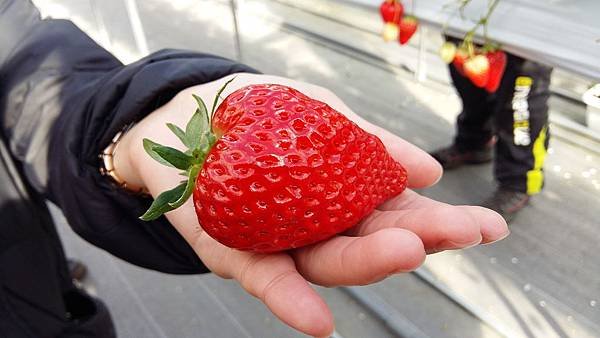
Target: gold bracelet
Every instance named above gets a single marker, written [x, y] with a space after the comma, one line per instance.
[107, 167]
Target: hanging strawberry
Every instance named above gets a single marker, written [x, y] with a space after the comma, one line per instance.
[477, 69]
[408, 27]
[448, 51]
[460, 57]
[390, 32]
[391, 11]
[497, 61]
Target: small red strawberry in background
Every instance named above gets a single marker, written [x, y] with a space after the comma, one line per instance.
[477, 69]
[391, 11]
[459, 60]
[497, 61]
[408, 27]
[276, 169]
[448, 52]
[390, 32]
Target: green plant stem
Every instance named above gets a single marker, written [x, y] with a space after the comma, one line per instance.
[483, 21]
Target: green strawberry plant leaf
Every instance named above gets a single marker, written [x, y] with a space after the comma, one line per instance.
[179, 133]
[194, 170]
[175, 157]
[201, 107]
[195, 128]
[149, 148]
[162, 203]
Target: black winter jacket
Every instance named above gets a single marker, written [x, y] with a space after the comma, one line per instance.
[62, 99]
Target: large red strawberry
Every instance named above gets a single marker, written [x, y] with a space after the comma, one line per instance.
[391, 11]
[497, 61]
[477, 69]
[459, 60]
[277, 170]
[408, 27]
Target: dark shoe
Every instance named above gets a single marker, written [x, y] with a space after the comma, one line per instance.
[451, 157]
[88, 317]
[507, 202]
[77, 269]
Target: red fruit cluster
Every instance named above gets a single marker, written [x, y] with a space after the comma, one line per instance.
[397, 25]
[485, 70]
[459, 60]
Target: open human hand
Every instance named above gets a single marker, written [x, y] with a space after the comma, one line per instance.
[394, 238]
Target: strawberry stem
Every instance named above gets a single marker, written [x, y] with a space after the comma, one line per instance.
[199, 139]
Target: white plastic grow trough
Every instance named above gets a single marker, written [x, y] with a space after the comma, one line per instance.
[592, 99]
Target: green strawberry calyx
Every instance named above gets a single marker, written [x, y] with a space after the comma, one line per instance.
[410, 20]
[199, 138]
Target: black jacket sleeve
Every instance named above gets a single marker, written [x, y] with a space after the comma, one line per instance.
[62, 99]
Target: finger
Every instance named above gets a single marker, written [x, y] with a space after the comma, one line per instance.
[346, 260]
[441, 226]
[274, 280]
[492, 226]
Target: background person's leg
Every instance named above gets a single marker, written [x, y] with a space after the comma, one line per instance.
[522, 131]
[474, 126]
[522, 125]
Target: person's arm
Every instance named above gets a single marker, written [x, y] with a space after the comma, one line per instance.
[395, 238]
[58, 113]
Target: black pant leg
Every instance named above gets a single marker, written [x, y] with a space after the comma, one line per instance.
[475, 123]
[37, 296]
[521, 118]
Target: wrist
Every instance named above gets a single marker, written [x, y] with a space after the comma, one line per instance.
[124, 161]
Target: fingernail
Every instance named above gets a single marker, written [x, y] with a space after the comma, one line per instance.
[501, 237]
[472, 245]
[494, 228]
[441, 170]
[449, 245]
